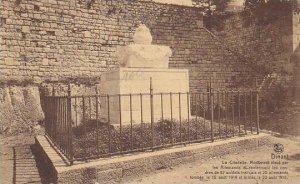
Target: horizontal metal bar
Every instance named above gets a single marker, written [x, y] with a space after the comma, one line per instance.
[146, 149]
[138, 94]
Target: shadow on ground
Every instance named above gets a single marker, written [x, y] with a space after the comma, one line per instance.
[27, 168]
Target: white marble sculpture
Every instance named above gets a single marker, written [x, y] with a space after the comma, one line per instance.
[140, 63]
[141, 54]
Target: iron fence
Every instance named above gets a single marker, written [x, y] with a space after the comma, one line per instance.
[95, 126]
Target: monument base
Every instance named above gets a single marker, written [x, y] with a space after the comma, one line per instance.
[130, 99]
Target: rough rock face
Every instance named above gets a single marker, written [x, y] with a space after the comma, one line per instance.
[33, 103]
[6, 110]
[20, 108]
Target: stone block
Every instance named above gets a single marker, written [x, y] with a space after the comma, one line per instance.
[25, 29]
[11, 62]
[182, 160]
[136, 81]
[202, 155]
[45, 61]
[87, 34]
[109, 176]
[161, 162]
[136, 172]
[86, 175]
[139, 163]
[183, 154]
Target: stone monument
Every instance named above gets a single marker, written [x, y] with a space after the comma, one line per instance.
[143, 65]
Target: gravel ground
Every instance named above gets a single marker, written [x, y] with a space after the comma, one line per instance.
[192, 173]
[18, 165]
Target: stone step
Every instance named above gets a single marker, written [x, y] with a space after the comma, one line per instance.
[26, 170]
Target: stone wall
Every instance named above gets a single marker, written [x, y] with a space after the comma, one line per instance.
[46, 41]
[261, 46]
[54, 40]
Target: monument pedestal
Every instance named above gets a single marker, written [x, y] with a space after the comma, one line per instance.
[129, 98]
[137, 106]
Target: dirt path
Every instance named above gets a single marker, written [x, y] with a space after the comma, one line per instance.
[191, 173]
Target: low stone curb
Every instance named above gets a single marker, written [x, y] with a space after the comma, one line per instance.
[117, 169]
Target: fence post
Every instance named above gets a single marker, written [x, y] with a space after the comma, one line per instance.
[108, 125]
[171, 113]
[54, 118]
[84, 125]
[52, 124]
[97, 120]
[180, 124]
[257, 107]
[211, 111]
[69, 111]
[53, 91]
[120, 121]
[131, 134]
[151, 111]
[188, 114]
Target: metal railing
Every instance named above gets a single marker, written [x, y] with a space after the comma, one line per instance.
[96, 126]
[58, 123]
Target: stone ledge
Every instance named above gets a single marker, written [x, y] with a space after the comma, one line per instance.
[116, 169]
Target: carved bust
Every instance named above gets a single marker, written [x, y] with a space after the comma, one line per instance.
[142, 35]
[141, 54]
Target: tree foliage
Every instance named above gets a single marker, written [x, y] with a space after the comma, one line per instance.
[258, 4]
[266, 11]
[212, 6]
[259, 14]
[217, 6]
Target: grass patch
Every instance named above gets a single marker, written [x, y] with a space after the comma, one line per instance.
[85, 140]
